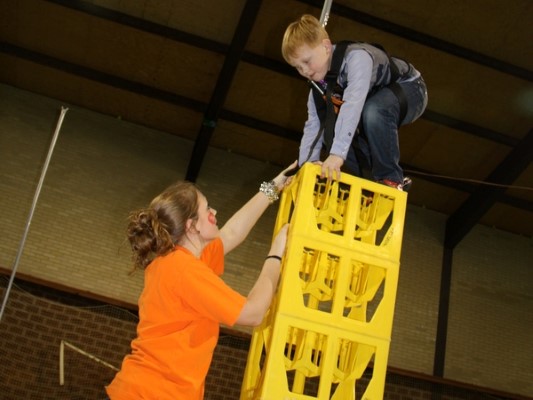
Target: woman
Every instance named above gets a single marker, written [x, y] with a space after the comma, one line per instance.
[177, 241]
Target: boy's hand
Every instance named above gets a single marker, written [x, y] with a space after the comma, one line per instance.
[331, 167]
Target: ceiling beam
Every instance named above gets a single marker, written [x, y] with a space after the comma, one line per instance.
[345, 12]
[198, 106]
[142, 25]
[463, 185]
[470, 128]
[101, 77]
[424, 39]
[468, 214]
[224, 81]
[259, 61]
[285, 69]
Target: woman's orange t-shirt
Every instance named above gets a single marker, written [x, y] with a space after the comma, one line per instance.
[182, 304]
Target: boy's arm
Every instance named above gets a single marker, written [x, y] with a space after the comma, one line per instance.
[359, 70]
[311, 129]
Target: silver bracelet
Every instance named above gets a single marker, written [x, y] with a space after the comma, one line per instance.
[270, 190]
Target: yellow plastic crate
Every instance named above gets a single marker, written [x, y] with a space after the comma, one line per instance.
[332, 317]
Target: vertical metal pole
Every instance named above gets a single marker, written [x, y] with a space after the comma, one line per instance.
[35, 197]
[323, 21]
[62, 363]
[325, 12]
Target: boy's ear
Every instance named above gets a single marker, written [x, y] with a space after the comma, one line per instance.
[327, 44]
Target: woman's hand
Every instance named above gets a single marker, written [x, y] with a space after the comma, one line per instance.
[237, 228]
[282, 180]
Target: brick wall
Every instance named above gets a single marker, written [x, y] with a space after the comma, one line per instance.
[97, 335]
[103, 167]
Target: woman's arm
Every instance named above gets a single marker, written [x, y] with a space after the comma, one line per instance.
[240, 224]
[262, 293]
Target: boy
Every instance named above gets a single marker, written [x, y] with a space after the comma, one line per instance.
[371, 91]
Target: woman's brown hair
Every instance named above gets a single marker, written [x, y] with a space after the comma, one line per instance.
[155, 230]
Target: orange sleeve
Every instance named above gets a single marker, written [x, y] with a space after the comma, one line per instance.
[213, 256]
[206, 293]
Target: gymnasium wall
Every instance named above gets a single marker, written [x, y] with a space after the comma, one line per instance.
[103, 167]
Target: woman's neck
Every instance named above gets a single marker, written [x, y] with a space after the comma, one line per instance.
[194, 244]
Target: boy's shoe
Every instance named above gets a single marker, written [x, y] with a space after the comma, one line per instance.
[406, 184]
[403, 186]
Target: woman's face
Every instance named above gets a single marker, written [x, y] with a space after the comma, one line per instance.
[206, 224]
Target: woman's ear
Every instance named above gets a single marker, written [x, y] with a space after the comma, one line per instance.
[189, 224]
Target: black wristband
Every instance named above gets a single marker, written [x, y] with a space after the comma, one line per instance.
[276, 257]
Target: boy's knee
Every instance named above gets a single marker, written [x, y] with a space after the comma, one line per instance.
[373, 113]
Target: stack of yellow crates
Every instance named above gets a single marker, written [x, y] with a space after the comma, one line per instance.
[331, 319]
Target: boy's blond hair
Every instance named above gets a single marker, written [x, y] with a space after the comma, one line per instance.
[307, 30]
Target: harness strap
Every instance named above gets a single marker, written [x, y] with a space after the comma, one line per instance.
[325, 106]
[331, 80]
[400, 95]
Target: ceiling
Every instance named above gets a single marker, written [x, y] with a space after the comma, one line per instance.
[211, 71]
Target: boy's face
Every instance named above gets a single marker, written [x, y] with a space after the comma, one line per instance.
[313, 62]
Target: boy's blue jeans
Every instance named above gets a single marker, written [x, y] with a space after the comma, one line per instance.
[377, 148]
